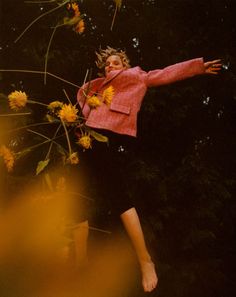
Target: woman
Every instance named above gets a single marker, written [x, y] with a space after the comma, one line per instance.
[118, 119]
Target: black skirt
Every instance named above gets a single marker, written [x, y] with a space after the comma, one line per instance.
[105, 169]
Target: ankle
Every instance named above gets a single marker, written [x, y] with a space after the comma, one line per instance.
[144, 256]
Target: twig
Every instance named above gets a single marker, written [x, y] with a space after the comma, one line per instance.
[48, 138]
[46, 56]
[40, 2]
[67, 97]
[81, 195]
[114, 16]
[40, 72]
[67, 137]
[91, 228]
[39, 17]
[15, 114]
[50, 147]
[31, 125]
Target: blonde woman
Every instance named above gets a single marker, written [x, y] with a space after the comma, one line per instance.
[118, 120]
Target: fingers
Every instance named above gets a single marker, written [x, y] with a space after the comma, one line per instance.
[216, 61]
[216, 65]
[214, 71]
[213, 67]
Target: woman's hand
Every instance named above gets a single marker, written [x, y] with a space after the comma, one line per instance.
[213, 67]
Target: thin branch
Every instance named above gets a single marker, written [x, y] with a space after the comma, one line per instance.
[15, 114]
[81, 195]
[114, 16]
[67, 97]
[50, 147]
[88, 72]
[36, 102]
[44, 136]
[40, 72]
[39, 17]
[31, 125]
[91, 228]
[46, 56]
[40, 2]
[67, 137]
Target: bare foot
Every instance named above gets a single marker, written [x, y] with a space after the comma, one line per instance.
[149, 276]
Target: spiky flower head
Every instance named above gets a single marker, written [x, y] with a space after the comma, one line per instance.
[85, 141]
[93, 101]
[68, 113]
[54, 106]
[8, 157]
[108, 94]
[80, 27]
[75, 7]
[73, 158]
[17, 100]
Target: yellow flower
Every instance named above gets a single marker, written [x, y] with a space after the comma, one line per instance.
[75, 7]
[85, 141]
[55, 105]
[8, 157]
[80, 27]
[17, 100]
[93, 101]
[108, 94]
[73, 158]
[68, 113]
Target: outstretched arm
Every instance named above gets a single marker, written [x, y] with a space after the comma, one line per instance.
[213, 67]
[181, 71]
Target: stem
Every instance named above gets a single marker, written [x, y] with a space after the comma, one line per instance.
[91, 228]
[46, 57]
[88, 72]
[31, 125]
[40, 72]
[81, 195]
[67, 137]
[40, 2]
[36, 102]
[67, 97]
[114, 16]
[15, 114]
[44, 136]
[39, 17]
[32, 147]
[50, 147]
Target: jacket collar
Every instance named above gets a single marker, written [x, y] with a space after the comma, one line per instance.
[111, 76]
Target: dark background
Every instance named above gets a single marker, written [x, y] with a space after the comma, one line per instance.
[184, 179]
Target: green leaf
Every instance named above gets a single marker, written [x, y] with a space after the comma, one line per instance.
[61, 150]
[41, 166]
[98, 136]
[72, 21]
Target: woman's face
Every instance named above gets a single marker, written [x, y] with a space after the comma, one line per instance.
[113, 62]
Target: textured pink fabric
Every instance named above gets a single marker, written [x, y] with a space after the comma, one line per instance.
[130, 86]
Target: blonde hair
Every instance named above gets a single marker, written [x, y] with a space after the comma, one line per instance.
[104, 54]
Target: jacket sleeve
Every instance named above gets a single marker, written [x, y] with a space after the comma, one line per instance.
[173, 73]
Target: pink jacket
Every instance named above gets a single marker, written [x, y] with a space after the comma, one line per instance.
[130, 86]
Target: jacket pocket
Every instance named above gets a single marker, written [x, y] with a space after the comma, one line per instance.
[120, 108]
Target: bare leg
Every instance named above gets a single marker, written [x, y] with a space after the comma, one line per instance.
[133, 227]
[80, 241]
